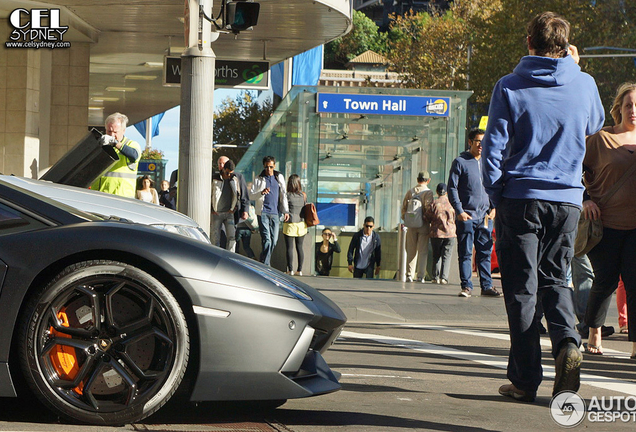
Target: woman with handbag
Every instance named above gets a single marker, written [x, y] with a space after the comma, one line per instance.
[295, 229]
[609, 165]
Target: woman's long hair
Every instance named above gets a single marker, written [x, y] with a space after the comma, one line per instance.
[293, 184]
[623, 89]
[140, 182]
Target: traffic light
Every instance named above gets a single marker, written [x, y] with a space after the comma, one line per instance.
[241, 15]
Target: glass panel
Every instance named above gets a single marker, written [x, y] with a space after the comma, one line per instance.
[368, 161]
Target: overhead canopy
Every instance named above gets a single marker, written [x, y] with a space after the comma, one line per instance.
[132, 36]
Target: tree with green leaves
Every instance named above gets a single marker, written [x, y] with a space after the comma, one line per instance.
[238, 122]
[501, 41]
[429, 51]
[363, 36]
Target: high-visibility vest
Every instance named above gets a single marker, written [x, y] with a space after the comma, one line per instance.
[121, 178]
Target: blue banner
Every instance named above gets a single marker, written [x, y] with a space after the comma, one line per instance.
[141, 126]
[383, 104]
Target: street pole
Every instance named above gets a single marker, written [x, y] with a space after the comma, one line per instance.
[149, 133]
[197, 111]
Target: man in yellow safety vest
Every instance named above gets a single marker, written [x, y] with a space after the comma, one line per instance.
[121, 178]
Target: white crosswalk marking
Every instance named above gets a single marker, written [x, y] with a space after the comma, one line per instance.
[490, 360]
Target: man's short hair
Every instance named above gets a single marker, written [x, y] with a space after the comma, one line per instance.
[229, 165]
[267, 159]
[549, 35]
[116, 117]
[423, 176]
[369, 219]
[474, 132]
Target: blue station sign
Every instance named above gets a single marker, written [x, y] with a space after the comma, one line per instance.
[383, 104]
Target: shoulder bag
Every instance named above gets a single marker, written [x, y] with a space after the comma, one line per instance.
[590, 232]
[309, 213]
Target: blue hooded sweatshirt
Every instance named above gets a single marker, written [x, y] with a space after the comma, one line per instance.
[538, 119]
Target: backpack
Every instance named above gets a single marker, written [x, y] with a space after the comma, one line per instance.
[414, 216]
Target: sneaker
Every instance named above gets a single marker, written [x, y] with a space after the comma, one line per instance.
[436, 280]
[491, 292]
[299, 273]
[568, 368]
[511, 391]
[465, 292]
[443, 282]
[423, 280]
[409, 279]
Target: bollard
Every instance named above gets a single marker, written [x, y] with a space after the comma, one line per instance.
[402, 253]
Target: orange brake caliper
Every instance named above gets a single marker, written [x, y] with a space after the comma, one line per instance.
[63, 357]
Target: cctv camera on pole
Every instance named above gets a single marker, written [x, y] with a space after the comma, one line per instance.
[241, 15]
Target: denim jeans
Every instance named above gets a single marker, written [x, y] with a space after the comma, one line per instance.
[582, 279]
[268, 227]
[366, 272]
[469, 233]
[614, 256]
[535, 242]
[226, 219]
[243, 237]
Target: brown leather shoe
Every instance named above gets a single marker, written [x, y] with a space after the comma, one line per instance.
[511, 391]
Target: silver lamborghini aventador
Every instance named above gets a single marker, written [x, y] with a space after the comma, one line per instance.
[105, 320]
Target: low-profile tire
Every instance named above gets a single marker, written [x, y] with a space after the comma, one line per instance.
[103, 343]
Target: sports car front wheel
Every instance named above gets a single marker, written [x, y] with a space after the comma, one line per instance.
[104, 343]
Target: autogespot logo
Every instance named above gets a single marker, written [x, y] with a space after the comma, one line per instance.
[567, 409]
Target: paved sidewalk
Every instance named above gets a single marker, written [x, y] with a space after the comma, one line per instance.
[388, 301]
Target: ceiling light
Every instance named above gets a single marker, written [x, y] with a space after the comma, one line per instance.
[141, 77]
[104, 99]
[96, 108]
[121, 89]
[153, 64]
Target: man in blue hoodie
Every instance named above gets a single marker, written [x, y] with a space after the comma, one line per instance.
[468, 197]
[533, 155]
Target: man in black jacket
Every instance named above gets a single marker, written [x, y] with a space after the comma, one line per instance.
[365, 251]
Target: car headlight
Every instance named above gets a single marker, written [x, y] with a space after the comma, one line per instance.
[185, 230]
[278, 279]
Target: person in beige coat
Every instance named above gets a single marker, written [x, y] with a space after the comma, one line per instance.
[418, 230]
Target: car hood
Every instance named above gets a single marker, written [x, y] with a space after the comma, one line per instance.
[103, 204]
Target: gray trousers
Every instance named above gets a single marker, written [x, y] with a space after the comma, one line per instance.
[442, 253]
[226, 219]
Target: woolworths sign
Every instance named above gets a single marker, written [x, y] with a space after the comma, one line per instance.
[228, 74]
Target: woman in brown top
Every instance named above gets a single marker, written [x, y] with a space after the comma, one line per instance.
[609, 154]
[442, 234]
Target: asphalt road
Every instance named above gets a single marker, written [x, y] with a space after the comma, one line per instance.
[412, 357]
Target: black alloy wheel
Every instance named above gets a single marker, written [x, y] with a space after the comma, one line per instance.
[104, 343]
